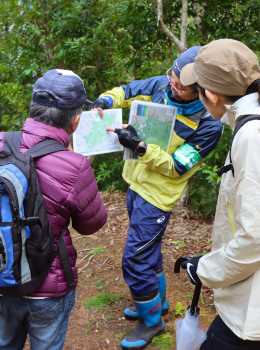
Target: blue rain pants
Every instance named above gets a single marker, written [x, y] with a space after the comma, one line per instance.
[142, 254]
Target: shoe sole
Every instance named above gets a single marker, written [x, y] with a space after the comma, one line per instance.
[134, 318]
[143, 346]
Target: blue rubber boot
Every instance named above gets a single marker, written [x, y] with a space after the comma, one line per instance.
[131, 313]
[150, 323]
[162, 291]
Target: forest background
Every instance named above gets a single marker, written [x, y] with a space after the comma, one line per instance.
[109, 43]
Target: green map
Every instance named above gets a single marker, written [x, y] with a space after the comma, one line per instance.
[154, 123]
[91, 136]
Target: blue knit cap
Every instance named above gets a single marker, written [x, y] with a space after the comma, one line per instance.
[184, 58]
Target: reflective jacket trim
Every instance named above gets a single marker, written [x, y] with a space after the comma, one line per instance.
[229, 208]
[187, 122]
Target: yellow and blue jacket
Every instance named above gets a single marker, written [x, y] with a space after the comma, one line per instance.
[161, 177]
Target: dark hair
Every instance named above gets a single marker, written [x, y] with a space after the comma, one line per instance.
[254, 87]
[194, 87]
[60, 118]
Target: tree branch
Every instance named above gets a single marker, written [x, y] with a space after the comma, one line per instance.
[184, 18]
[180, 44]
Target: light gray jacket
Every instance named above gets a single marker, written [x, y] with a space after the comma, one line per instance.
[232, 269]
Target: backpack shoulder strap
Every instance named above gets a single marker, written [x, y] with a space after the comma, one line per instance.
[45, 147]
[13, 140]
[39, 150]
[65, 259]
[241, 122]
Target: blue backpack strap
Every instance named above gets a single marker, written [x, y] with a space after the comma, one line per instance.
[12, 141]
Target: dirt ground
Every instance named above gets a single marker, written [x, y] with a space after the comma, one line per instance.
[99, 264]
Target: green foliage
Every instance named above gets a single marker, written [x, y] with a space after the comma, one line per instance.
[122, 334]
[163, 341]
[237, 20]
[178, 308]
[101, 301]
[98, 283]
[110, 318]
[97, 250]
[181, 245]
[89, 327]
[205, 183]
[108, 172]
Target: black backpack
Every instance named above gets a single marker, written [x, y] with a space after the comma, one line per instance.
[247, 118]
[26, 245]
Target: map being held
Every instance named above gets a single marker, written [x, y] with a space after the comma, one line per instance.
[154, 124]
[91, 137]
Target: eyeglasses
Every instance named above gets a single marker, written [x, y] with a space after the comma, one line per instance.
[172, 83]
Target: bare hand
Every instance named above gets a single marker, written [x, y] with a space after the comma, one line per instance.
[100, 111]
[110, 129]
[124, 126]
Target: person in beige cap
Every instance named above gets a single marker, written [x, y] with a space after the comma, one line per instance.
[228, 76]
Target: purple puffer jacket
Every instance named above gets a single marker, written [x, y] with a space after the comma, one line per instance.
[70, 191]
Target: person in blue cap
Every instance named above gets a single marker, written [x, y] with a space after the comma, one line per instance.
[156, 183]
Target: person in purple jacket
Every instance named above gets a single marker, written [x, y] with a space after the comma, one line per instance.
[70, 193]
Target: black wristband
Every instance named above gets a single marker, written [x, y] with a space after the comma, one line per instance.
[141, 149]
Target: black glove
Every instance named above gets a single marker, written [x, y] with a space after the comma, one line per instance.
[99, 103]
[191, 265]
[128, 137]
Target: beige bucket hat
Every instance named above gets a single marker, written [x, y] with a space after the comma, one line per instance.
[225, 66]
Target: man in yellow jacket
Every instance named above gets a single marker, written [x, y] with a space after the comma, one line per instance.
[156, 183]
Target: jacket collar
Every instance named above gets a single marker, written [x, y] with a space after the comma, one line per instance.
[42, 131]
[245, 105]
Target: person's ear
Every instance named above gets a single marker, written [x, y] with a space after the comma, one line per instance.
[74, 125]
[212, 97]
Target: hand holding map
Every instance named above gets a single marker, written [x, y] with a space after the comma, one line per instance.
[128, 136]
[91, 136]
[100, 111]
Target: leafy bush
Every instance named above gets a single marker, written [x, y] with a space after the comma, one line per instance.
[108, 172]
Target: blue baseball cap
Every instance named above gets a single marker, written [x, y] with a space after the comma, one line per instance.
[184, 58]
[64, 85]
